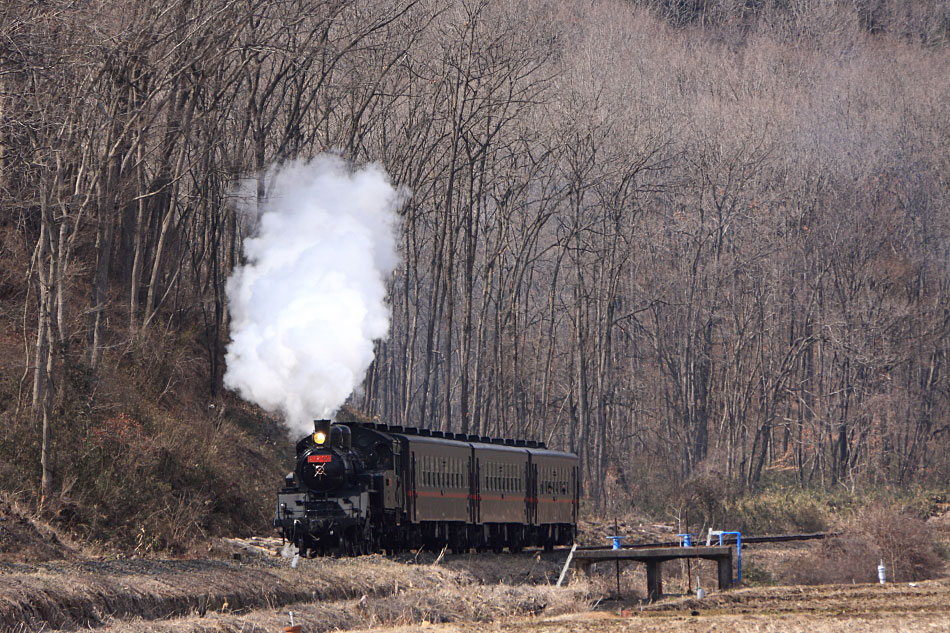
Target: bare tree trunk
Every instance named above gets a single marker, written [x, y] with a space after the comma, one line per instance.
[42, 340]
[101, 279]
[138, 245]
[42, 380]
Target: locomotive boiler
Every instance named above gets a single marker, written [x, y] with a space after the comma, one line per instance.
[366, 487]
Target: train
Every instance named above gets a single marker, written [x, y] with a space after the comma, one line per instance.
[366, 487]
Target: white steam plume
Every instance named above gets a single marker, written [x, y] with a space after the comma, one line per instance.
[310, 301]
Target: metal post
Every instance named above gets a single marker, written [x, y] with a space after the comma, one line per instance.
[617, 546]
[738, 536]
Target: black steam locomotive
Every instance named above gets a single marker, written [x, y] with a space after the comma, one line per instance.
[362, 487]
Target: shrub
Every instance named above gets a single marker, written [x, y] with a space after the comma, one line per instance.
[906, 543]
[878, 533]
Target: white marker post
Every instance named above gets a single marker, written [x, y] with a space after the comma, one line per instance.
[567, 564]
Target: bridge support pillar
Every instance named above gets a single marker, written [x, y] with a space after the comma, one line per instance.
[724, 563]
[654, 580]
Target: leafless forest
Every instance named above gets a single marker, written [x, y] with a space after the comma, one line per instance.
[685, 238]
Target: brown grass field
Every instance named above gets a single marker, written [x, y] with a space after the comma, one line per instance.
[255, 592]
[48, 583]
[858, 608]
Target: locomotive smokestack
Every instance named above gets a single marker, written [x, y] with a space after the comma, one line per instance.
[321, 431]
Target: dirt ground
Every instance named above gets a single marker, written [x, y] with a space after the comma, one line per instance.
[899, 608]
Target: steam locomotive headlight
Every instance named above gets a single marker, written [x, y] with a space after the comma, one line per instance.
[319, 438]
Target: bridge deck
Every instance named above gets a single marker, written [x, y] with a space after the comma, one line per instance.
[654, 558]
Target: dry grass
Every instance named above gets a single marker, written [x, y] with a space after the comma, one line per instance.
[23, 536]
[863, 608]
[902, 541]
[411, 607]
[325, 592]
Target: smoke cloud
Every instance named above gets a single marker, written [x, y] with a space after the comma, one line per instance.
[310, 301]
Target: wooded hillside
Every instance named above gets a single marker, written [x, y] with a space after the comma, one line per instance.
[684, 238]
